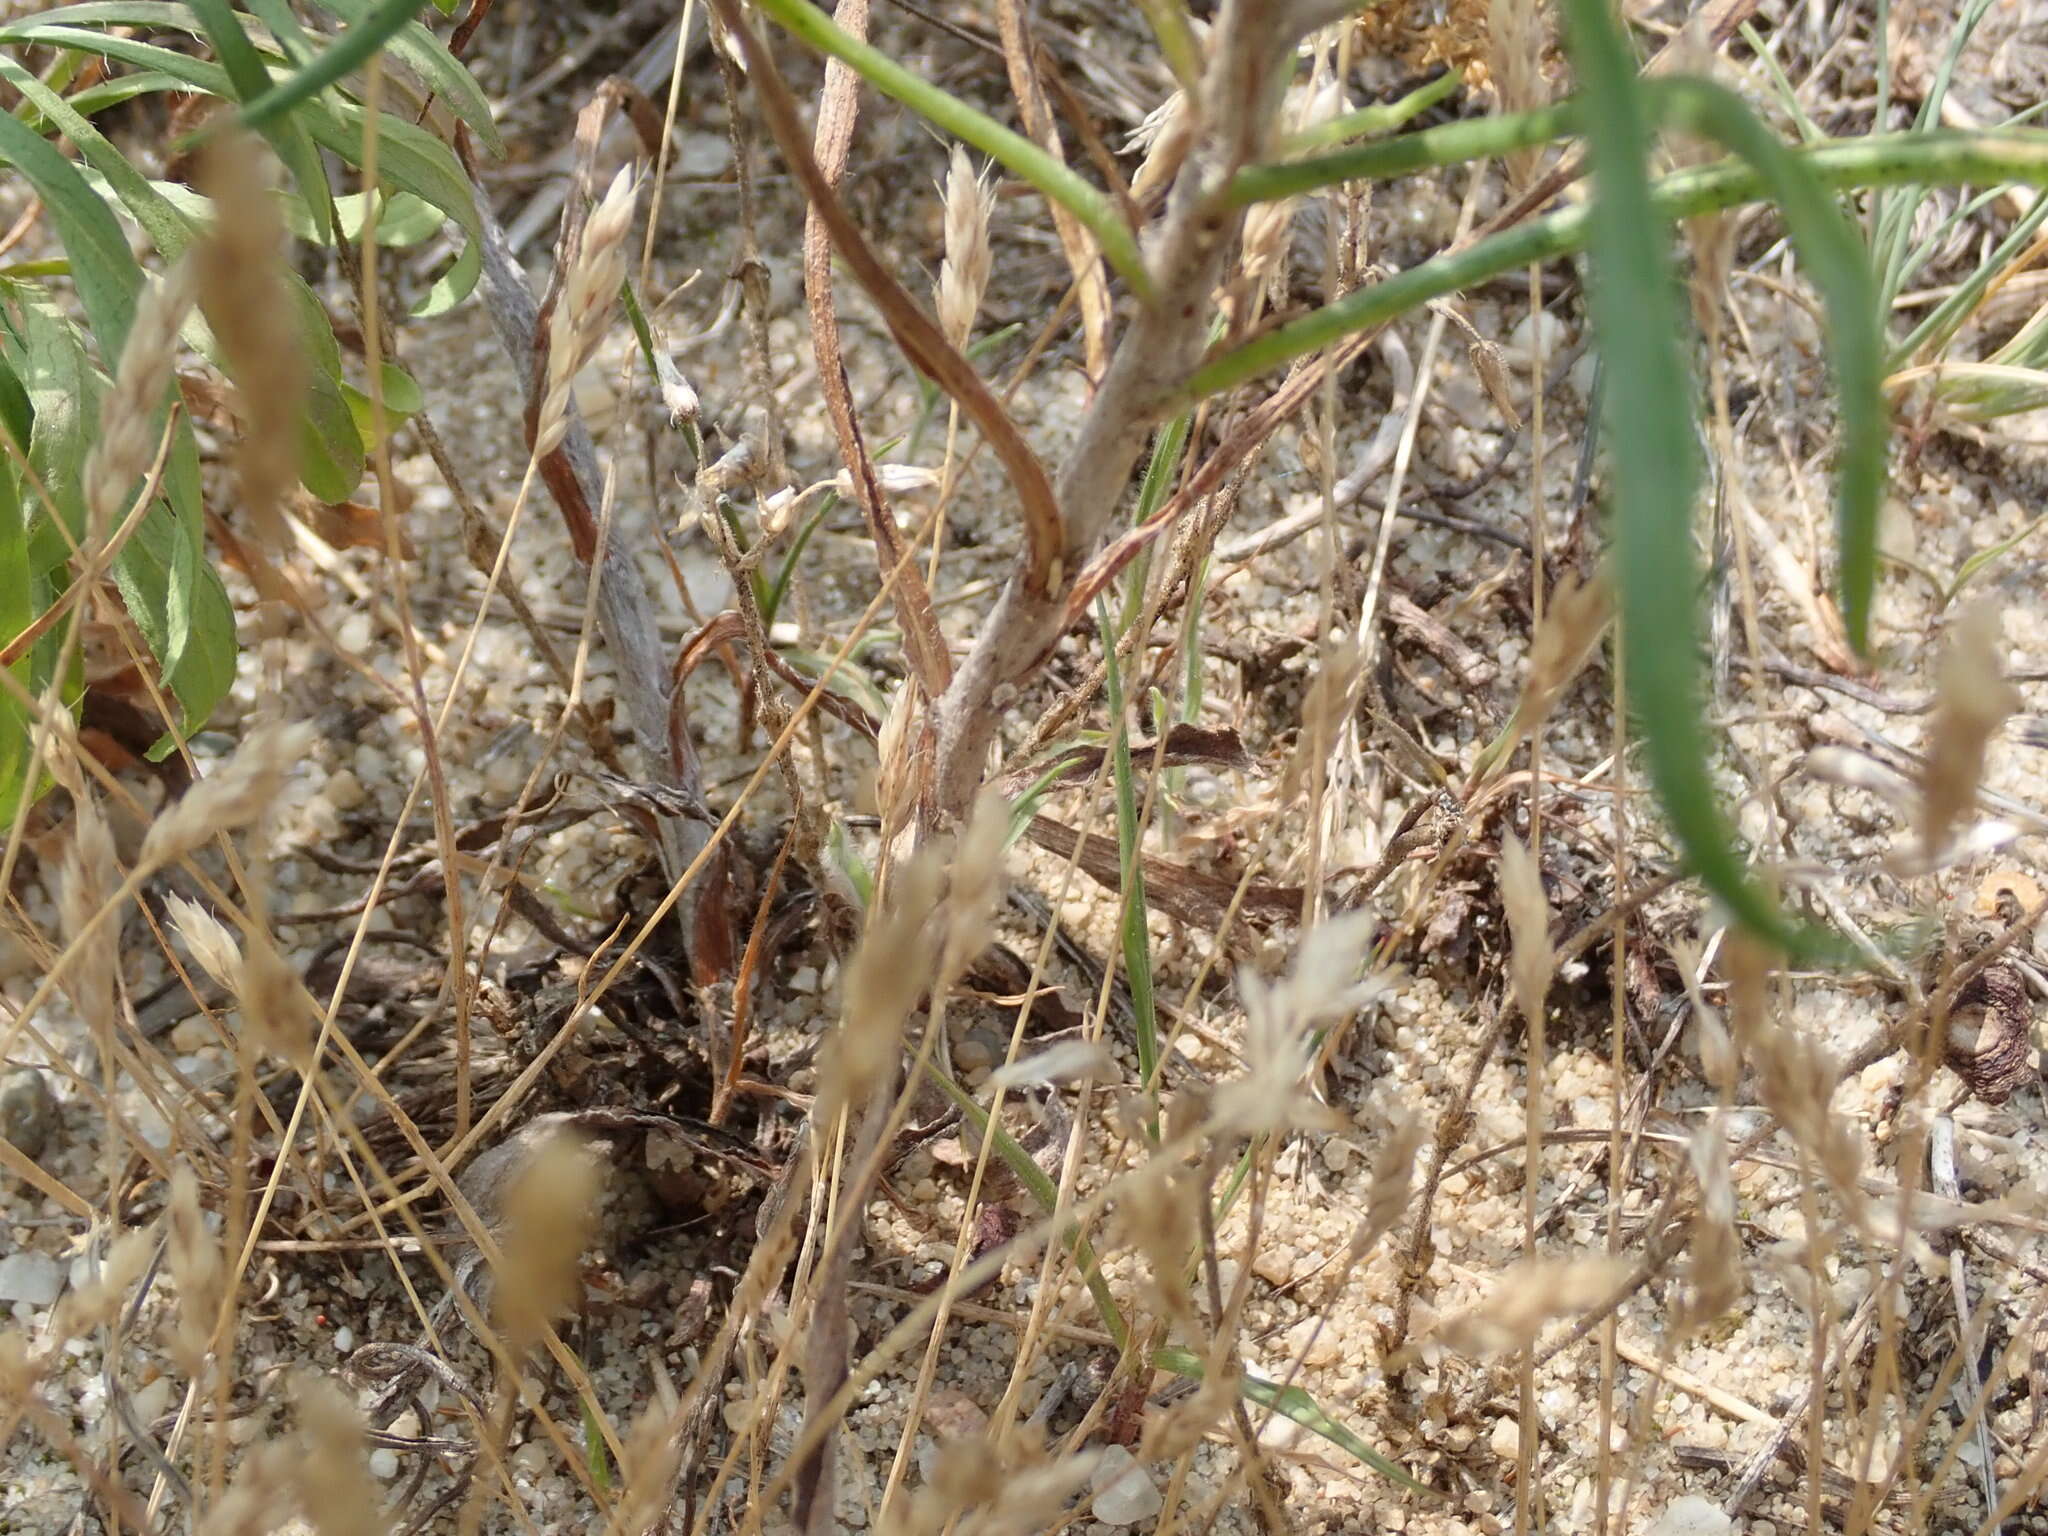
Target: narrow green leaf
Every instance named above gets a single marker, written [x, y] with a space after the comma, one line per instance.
[1133, 927]
[1637, 321]
[1380, 117]
[1834, 259]
[1296, 1404]
[104, 271]
[250, 77]
[414, 46]
[346, 54]
[1008, 149]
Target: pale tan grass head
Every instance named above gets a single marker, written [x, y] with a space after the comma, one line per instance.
[1972, 702]
[1714, 1261]
[1280, 1017]
[583, 309]
[1531, 1296]
[126, 443]
[193, 1256]
[335, 1470]
[232, 796]
[963, 271]
[247, 300]
[550, 1212]
[1533, 962]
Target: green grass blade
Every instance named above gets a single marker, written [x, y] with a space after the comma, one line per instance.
[1296, 1404]
[343, 57]
[1133, 928]
[2010, 157]
[250, 77]
[1009, 149]
[1834, 259]
[1432, 149]
[1637, 322]
[1380, 117]
[102, 267]
[419, 50]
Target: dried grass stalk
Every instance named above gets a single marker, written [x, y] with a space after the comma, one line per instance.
[126, 443]
[578, 325]
[247, 301]
[963, 273]
[1972, 701]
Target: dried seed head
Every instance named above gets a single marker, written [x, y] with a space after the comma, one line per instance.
[1163, 137]
[550, 1212]
[1972, 701]
[207, 939]
[1532, 1295]
[193, 1256]
[234, 795]
[963, 273]
[1492, 369]
[974, 885]
[126, 444]
[1392, 1180]
[584, 306]
[1573, 623]
[1528, 909]
[247, 301]
[336, 1467]
[1280, 1018]
[653, 1455]
[89, 876]
[97, 1302]
[277, 1016]
[892, 967]
[1716, 1259]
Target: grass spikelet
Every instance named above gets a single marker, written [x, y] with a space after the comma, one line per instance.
[1393, 1179]
[96, 1303]
[1531, 1296]
[963, 273]
[89, 875]
[243, 293]
[276, 1016]
[207, 939]
[126, 443]
[578, 324]
[1280, 1018]
[1573, 622]
[1972, 701]
[891, 968]
[550, 1212]
[232, 796]
[1716, 1256]
[336, 1468]
[193, 1256]
[653, 1455]
[1533, 962]
[974, 884]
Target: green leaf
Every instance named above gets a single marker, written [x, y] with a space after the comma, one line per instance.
[346, 54]
[401, 220]
[414, 46]
[102, 268]
[1834, 259]
[1294, 1403]
[1637, 322]
[205, 668]
[250, 77]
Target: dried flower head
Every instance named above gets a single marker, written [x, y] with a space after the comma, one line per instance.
[1528, 909]
[248, 302]
[1972, 701]
[336, 1466]
[1716, 1255]
[892, 967]
[277, 1015]
[550, 1212]
[1280, 1018]
[963, 273]
[234, 795]
[1531, 1296]
[89, 877]
[193, 1256]
[584, 306]
[126, 443]
[207, 939]
[1393, 1178]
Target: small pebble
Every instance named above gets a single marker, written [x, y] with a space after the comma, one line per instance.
[344, 1340]
[1124, 1491]
[1506, 1439]
[28, 1110]
[384, 1463]
[1691, 1516]
[33, 1277]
